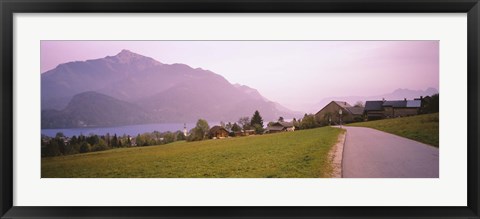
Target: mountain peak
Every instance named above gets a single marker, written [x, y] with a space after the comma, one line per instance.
[126, 56]
[125, 53]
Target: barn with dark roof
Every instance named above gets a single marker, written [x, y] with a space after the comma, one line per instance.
[380, 109]
[280, 127]
[329, 115]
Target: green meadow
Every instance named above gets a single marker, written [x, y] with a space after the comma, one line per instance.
[422, 128]
[299, 154]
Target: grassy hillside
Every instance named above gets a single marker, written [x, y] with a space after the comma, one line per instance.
[294, 154]
[422, 128]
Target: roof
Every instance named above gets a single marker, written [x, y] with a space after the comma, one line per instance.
[379, 104]
[342, 104]
[414, 103]
[275, 128]
[356, 110]
[283, 124]
[216, 129]
[286, 124]
[374, 105]
[395, 103]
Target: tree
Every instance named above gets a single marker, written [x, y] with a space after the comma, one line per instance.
[179, 136]
[200, 131]
[139, 140]
[295, 123]
[168, 137]
[244, 122]
[193, 135]
[236, 127]
[359, 104]
[107, 139]
[280, 119]
[61, 144]
[203, 127]
[74, 140]
[85, 147]
[59, 135]
[93, 139]
[308, 122]
[101, 146]
[258, 128]
[228, 126]
[430, 104]
[222, 124]
[53, 148]
[129, 142]
[256, 119]
[115, 141]
[257, 122]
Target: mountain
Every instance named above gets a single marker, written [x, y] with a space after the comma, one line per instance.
[60, 84]
[163, 92]
[94, 109]
[398, 94]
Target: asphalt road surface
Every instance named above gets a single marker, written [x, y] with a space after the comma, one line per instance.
[369, 153]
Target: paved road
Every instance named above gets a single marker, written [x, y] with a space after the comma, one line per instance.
[369, 153]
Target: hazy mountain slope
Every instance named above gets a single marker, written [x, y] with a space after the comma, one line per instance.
[60, 84]
[168, 93]
[212, 98]
[280, 110]
[94, 109]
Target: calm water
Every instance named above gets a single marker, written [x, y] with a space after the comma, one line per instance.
[131, 130]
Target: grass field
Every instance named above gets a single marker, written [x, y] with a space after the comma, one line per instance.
[299, 154]
[422, 128]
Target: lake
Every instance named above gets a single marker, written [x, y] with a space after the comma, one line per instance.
[131, 130]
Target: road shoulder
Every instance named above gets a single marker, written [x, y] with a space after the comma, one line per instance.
[336, 155]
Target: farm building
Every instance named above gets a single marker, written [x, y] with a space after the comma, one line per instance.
[244, 133]
[380, 109]
[217, 132]
[280, 127]
[330, 113]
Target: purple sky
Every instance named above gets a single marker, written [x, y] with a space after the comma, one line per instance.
[293, 73]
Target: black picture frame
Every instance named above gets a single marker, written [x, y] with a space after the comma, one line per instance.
[9, 7]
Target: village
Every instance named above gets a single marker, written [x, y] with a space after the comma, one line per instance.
[337, 113]
[334, 113]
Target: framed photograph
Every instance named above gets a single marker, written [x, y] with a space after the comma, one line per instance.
[263, 109]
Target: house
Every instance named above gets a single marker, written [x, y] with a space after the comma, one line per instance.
[217, 132]
[244, 133]
[374, 110]
[133, 141]
[250, 132]
[380, 109]
[280, 127]
[330, 113]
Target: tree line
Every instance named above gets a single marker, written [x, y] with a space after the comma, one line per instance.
[62, 145]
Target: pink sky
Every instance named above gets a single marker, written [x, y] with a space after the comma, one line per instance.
[293, 73]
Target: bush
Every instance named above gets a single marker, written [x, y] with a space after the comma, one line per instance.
[85, 147]
[308, 122]
[52, 149]
[258, 129]
[101, 146]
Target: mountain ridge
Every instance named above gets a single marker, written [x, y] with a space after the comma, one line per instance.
[167, 92]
